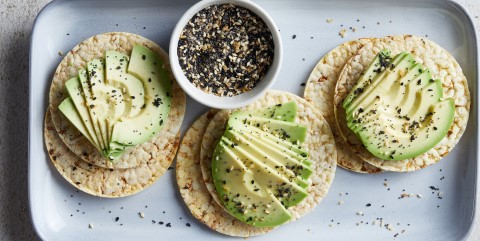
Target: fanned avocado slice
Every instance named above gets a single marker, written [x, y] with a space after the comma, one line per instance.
[394, 70]
[277, 162]
[74, 90]
[95, 110]
[249, 202]
[404, 115]
[290, 149]
[299, 165]
[120, 101]
[258, 172]
[285, 112]
[149, 68]
[67, 107]
[285, 130]
[381, 61]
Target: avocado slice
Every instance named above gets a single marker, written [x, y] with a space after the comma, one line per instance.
[413, 140]
[395, 77]
[398, 67]
[128, 89]
[287, 191]
[299, 165]
[74, 90]
[286, 130]
[428, 94]
[276, 162]
[146, 66]
[67, 107]
[414, 90]
[285, 112]
[404, 115]
[253, 204]
[381, 61]
[291, 149]
[94, 109]
[131, 87]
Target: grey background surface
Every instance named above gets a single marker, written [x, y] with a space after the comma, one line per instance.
[16, 21]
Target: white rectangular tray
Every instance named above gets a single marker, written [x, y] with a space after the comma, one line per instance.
[60, 212]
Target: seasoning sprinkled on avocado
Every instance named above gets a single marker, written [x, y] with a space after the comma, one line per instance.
[410, 118]
[259, 168]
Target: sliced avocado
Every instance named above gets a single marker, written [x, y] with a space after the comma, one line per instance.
[415, 139]
[128, 89]
[381, 61]
[93, 110]
[131, 87]
[67, 107]
[291, 161]
[292, 149]
[413, 89]
[428, 94]
[253, 204]
[398, 90]
[74, 89]
[275, 162]
[287, 191]
[285, 112]
[396, 77]
[286, 130]
[149, 68]
[404, 115]
[394, 70]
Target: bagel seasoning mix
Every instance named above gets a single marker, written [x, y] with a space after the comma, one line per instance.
[225, 50]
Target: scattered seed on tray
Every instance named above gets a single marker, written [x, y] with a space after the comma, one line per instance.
[329, 20]
[188, 225]
[90, 226]
[225, 50]
[303, 84]
[294, 36]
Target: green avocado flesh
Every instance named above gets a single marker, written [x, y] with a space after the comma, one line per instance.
[259, 172]
[120, 101]
[290, 131]
[398, 111]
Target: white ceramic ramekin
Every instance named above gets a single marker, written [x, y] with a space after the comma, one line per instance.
[212, 100]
